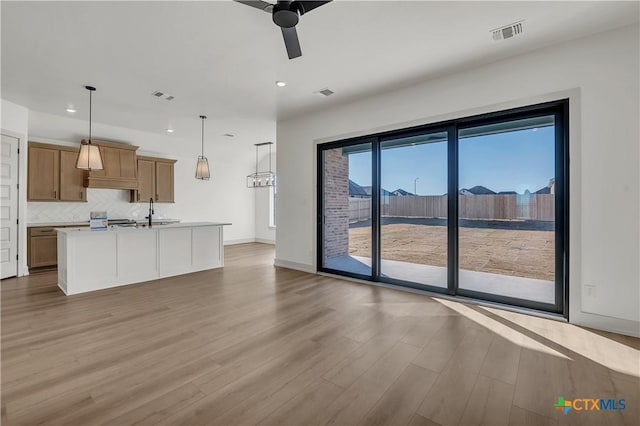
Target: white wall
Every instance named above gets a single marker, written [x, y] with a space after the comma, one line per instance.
[223, 199]
[264, 232]
[14, 121]
[599, 73]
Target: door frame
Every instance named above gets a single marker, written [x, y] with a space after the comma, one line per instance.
[559, 108]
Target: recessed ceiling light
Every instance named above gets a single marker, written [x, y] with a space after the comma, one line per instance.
[71, 110]
[281, 83]
[229, 135]
[170, 130]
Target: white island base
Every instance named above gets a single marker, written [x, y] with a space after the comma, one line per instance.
[94, 260]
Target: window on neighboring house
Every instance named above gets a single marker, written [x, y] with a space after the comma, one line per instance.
[272, 206]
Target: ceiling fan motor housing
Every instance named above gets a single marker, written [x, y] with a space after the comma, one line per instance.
[285, 14]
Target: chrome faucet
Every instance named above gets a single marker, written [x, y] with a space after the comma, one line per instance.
[151, 212]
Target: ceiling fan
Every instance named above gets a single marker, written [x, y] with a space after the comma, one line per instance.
[286, 14]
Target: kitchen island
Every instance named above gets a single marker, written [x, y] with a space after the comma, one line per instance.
[94, 260]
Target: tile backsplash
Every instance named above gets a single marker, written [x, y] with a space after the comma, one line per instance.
[114, 201]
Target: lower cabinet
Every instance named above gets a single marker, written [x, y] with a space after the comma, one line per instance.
[42, 248]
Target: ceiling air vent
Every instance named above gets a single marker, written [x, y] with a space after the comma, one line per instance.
[325, 92]
[159, 94]
[508, 31]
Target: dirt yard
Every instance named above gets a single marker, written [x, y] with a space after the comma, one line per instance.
[527, 254]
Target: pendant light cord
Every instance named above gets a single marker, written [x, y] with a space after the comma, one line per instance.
[90, 104]
[202, 151]
[270, 171]
[256, 160]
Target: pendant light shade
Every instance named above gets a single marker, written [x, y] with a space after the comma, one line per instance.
[89, 157]
[202, 167]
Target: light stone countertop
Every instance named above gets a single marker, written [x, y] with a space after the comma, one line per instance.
[86, 222]
[140, 228]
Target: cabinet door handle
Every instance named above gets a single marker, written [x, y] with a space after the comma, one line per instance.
[138, 195]
[55, 194]
[81, 194]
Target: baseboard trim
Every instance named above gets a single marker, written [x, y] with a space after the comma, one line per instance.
[295, 265]
[604, 323]
[239, 241]
[265, 241]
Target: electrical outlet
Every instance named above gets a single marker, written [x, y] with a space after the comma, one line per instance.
[590, 290]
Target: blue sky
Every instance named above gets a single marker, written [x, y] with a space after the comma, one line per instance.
[511, 161]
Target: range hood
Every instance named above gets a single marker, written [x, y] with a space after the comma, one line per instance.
[120, 166]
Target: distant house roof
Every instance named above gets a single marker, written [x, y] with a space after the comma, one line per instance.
[545, 190]
[368, 190]
[401, 191]
[356, 190]
[478, 190]
[508, 193]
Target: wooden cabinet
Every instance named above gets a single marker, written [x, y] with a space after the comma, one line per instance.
[164, 182]
[146, 180]
[71, 179]
[42, 249]
[128, 166]
[52, 174]
[43, 175]
[120, 168]
[155, 180]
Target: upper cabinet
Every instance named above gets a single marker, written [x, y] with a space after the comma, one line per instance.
[71, 179]
[155, 180]
[52, 174]
[43, 175]
[164, 181]
[120, 167]
[146, 180]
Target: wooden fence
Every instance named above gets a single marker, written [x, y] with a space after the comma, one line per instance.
[505, 207]
[359, 209]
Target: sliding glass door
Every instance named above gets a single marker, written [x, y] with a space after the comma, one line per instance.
[413, 209]
[506, 213]
[347, 209]
[475, 207]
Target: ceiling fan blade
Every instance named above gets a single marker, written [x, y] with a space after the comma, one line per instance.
[290, 36]
[307, 6]
[258, 4]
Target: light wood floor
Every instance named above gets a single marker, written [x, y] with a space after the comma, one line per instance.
[253, 344]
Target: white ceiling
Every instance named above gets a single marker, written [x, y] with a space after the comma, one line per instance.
[222, 58]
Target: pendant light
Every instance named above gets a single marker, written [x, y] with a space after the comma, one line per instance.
[262, 179]
[202, 167]
[89, 157]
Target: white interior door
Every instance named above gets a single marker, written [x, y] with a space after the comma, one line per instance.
[9, 206]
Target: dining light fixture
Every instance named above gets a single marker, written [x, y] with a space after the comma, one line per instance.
[262, 179]
[89, 157]
[202, 167]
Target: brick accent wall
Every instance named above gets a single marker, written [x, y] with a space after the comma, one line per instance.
[336, 203]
